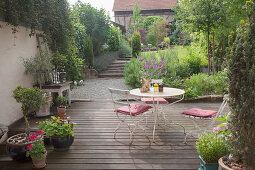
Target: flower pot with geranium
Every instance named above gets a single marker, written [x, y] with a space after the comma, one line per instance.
[60, 132]
[211, 147]
[61, 103]
[37, 151]
[31, 99]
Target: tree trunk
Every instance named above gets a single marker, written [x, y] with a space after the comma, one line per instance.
[27, 123]
[208, 51]
[213, 55]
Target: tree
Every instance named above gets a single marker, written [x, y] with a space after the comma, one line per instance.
[149, 21]
[158, 31]
[241, 90]
[137, 17]
[202, 15]
[96, 22]
[136, 44]
[114, 39]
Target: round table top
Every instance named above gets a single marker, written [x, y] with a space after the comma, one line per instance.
[167, 92]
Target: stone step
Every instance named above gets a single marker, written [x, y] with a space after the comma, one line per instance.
[103, 75]
[124, 59]
[116, 66]
[113, 71]
[119, 62]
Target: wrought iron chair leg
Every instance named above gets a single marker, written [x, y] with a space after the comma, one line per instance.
[117, 128]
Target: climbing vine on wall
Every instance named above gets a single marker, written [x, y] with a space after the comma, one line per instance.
[50, 16]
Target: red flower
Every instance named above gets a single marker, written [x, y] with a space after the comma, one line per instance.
[39, 132]
[29, 147]
[33, 137]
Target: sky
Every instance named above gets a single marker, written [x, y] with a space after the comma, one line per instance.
[106, 4]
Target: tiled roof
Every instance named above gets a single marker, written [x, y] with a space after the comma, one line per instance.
[128, 5]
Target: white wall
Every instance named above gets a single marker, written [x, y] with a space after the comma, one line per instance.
[12, 48]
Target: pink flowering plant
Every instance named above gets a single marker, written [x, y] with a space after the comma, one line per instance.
[37, 148]
[152, 68]
[222, 128]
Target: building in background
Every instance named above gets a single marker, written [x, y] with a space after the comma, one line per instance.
[123, 10]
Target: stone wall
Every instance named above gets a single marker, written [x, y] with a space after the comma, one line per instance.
[13, 47]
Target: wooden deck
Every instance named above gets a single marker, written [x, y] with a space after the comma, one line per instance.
[95, 148]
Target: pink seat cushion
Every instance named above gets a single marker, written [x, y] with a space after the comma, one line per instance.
[150, 100]
[200, 112]
[135, 109]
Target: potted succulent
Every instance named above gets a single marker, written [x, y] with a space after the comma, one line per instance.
[31, 99]
[60, 132]
[37, 151]
[61, 103]
[211, 147]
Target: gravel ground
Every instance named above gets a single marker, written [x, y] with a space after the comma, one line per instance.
[95, 89]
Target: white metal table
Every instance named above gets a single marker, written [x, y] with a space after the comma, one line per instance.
[167, 93]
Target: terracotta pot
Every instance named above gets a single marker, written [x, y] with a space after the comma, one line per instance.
[222, 165]
[61, 111]
[39, 163]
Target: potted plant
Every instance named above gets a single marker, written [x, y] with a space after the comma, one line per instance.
[211, 147]
[61, 103]
[43, 126]
[37, 151]
[31, 99]
[60, 132]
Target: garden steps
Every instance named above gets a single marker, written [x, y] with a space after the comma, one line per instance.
[116, 69]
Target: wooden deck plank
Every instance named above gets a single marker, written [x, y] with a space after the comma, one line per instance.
[95, 148]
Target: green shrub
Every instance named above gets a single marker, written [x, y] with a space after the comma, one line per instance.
[89, 58]
[132, 73]
[182, 70]
[211, 147]
[136, 44]
[148, 21]
[124, 49]
[194, 63]
[175, 82]
[190, 94]
[114, 39]
[203, 84]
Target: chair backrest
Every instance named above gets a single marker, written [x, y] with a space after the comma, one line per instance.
[119, 97]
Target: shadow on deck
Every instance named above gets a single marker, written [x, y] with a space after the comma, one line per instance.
[95, 148]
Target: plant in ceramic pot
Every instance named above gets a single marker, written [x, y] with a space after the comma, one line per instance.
[31, 99]
[43, 126]
[60, 132]
[37, 151]
[211, 147]
[61, 103]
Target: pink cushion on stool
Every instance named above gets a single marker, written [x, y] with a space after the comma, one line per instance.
[135, 109]
[200, 112]
[150, 100]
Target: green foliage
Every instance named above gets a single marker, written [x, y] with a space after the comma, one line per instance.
[241, 89]
[157, 32]
[74, 64]
[182, 70]
[96, 22]
[40, 67]
[37, 149]
[114, 39]
[58, 61]
[211, 147]
[203, 84]
[175, 82]
[61, 101]
[52, 17]
[132, 71]
[136, 44]
[125, 49]
[103, 60]
[137, 17]
[88, 51]
[57, 127]
[190, 94]
[194, 63]
[148, 21]
[31, 100]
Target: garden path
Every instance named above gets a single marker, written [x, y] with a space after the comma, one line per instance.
[96, 89]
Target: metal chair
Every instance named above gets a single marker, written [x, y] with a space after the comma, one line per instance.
[200, 126]
[129, 114]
